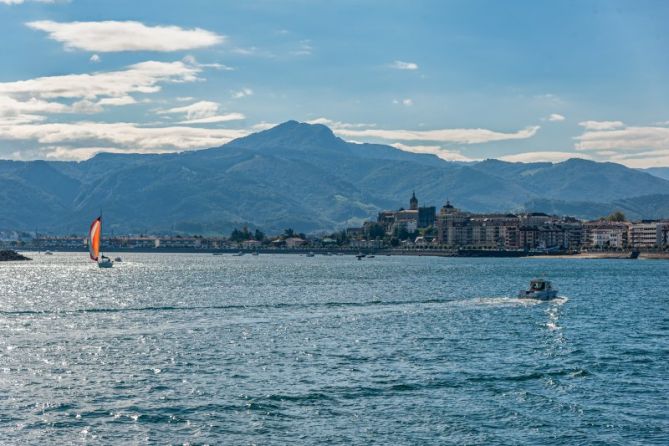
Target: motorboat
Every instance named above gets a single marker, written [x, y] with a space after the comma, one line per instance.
[238, 254]
[48, 253]
[310, 254]
[539, 289]
[360, 255]
[118, 259]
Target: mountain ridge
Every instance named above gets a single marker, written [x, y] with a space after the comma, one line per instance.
[295, 175]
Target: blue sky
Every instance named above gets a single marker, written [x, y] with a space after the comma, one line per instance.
[466, 80]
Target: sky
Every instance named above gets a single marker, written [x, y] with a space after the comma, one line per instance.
[465, 80]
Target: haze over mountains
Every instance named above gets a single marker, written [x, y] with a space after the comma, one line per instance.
[302, 176]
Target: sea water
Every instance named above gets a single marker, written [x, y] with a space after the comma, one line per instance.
[286, 349]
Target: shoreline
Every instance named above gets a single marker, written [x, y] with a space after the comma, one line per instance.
[613, 255]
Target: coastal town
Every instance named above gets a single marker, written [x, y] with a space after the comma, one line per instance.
[415, 229]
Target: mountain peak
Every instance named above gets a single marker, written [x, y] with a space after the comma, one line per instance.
[294, 136]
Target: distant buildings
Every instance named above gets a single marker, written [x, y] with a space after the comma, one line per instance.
[418, 227]
[407, 220]
[454, 228]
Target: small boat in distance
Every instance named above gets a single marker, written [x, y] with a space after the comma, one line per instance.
[310, 254]
[238, 254]
[94, 245]
[48, 253]
[539, 289]
[118, 259]
[360, 255]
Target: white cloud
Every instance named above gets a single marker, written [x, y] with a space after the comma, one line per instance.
[555, 117]
[94, 58]
[114, 36]
[407, 102]
[18, 2]
[117, 101]
[185, 98]
[538, 157]
[304, 49]
[190, 60]
[448, 155]
[399, 65]
[202, 112]
[625, 139]
[201, 109]
[634, 146]
[338, 124]
[121, 135]
[460, 136]
[242, 93]
[601, 125]
[216, 118]
[143, 77]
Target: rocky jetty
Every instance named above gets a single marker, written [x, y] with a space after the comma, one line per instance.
[9, 255]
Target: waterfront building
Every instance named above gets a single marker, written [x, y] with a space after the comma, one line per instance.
[452, 227]
[643, 234]
[494, 231]
[606, 234]
[663, 234]
[426, 216]
[294, 242]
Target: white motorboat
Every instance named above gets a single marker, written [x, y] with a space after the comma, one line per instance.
[118, 259]
[539, 289]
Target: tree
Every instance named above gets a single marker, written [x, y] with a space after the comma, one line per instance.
[259, 236]
[288, 233]
[616, 216]
[375, 230]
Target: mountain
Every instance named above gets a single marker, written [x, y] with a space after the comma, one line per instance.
[660, 172]
[301, 176]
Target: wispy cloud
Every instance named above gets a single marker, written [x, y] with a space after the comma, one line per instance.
[407, 102]
[400, 65]
[635, 146]
[445, 154]
[18, 2]
[555, 117]
[94, 58]
[115, 36]
[601, 125]
[459, 136]
[202, 112]
[122, 135]
[144, 77]
[304, 48]
[244, 92]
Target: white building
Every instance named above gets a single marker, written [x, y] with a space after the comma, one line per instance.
[603, 234]
[643, 234]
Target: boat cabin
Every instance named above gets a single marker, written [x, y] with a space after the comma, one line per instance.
[539, 285]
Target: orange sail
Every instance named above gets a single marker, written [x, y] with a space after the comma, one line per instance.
[94, 238]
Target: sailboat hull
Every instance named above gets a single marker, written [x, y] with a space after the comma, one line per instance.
[105, 264]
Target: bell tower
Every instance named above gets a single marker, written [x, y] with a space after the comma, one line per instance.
[413, 203]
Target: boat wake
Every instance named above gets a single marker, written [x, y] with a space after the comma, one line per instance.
[475, 302]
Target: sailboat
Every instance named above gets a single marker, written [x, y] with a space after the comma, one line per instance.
[94, 244]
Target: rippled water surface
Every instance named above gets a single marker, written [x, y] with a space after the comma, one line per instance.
[172, 349]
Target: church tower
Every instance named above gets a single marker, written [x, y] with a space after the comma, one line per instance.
[413, 203]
